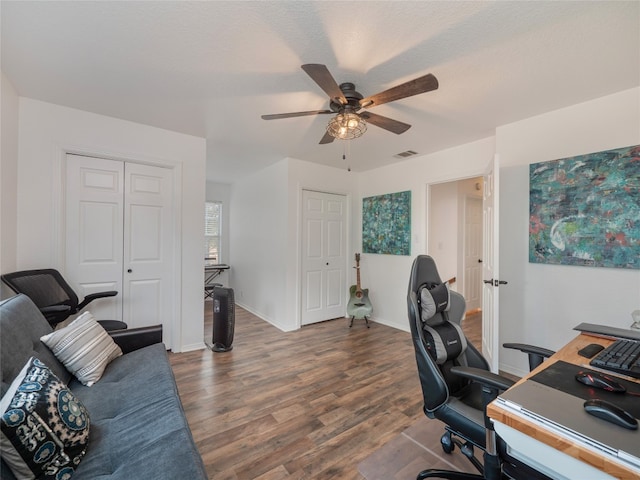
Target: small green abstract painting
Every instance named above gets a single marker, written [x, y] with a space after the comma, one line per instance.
[585, 210]
[386, 224]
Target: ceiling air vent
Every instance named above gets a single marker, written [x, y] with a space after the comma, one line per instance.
[405, 154]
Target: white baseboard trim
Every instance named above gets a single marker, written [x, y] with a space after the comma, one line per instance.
[263, 317]
[192, 347]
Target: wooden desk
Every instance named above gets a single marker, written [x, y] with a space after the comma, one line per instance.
[569, 353]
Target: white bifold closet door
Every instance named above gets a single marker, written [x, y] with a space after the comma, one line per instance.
[119, 237]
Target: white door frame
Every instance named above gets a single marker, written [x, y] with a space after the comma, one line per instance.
[490, 266]
[300, 226]
[344, 272]
[60, 226]
[446, 179]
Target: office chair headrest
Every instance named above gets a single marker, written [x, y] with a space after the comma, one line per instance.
[434, 298]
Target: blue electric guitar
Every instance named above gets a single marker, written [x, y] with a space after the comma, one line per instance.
[359, 305]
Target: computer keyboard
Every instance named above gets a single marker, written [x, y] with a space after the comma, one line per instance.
[622, 356]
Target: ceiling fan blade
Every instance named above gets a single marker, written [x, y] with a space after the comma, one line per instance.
[387, 123]
[276, 116]
[321, 75]
[326, 138]
[404, 90]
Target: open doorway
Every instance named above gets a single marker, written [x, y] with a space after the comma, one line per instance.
[454, 240]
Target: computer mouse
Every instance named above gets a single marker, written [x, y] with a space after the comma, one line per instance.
[611, 413]
[599, 380]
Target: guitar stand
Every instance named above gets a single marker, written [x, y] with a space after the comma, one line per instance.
[353, 317]
[359, 305]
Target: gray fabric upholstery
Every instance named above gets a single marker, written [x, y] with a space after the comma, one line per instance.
[22, 325]
[138, 426]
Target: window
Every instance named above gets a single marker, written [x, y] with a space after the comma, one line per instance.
[212, 232]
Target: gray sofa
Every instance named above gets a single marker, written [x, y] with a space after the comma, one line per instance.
[138, 428]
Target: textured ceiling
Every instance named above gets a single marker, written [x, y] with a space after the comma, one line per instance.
[212, 68]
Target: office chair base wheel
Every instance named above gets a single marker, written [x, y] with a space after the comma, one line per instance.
[467, 450]
[448, 445]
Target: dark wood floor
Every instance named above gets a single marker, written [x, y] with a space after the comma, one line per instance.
[309, 404]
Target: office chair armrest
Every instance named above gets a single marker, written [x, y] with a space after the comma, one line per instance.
[491, 383]
[55, 309]
[536, 354]
[93, 296]
[484, 377]
[136, 338]
[55, 313]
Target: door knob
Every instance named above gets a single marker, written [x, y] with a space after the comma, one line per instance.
[479, 260]
[129, 271]
[495, 283]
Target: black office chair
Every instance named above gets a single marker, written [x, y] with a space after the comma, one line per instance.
[54, 296]
[455, 378]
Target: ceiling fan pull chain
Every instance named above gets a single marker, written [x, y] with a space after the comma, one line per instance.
[348, 148]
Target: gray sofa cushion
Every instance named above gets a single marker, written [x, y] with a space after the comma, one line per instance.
[135, 414]
[19, 344]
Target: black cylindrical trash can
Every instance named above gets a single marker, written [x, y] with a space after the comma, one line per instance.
[223, 319]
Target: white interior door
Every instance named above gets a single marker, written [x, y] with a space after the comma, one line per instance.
[119, 237]
[473, 252]
[490, 266]
[323, 256]
[94, 231]
[148, 247]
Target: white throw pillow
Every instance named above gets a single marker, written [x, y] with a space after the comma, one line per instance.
[84, 347]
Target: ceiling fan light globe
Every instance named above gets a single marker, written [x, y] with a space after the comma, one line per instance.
[346, 126]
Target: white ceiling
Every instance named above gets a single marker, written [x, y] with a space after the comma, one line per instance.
[212, 68]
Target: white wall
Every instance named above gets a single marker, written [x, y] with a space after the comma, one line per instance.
[221, 192]
[542, 303]
[387, 276]
[8, 180]
[258, 216]
[48, 131]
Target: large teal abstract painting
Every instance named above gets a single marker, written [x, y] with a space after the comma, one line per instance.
[386, 224]
[585, 210]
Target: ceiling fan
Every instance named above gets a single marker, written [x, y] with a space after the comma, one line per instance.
[344, 101]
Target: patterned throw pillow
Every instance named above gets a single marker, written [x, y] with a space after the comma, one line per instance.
[45, 428]
[84, 347]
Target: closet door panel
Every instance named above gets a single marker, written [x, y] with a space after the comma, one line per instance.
[119, 236]
[94, 231]
[148, 249]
